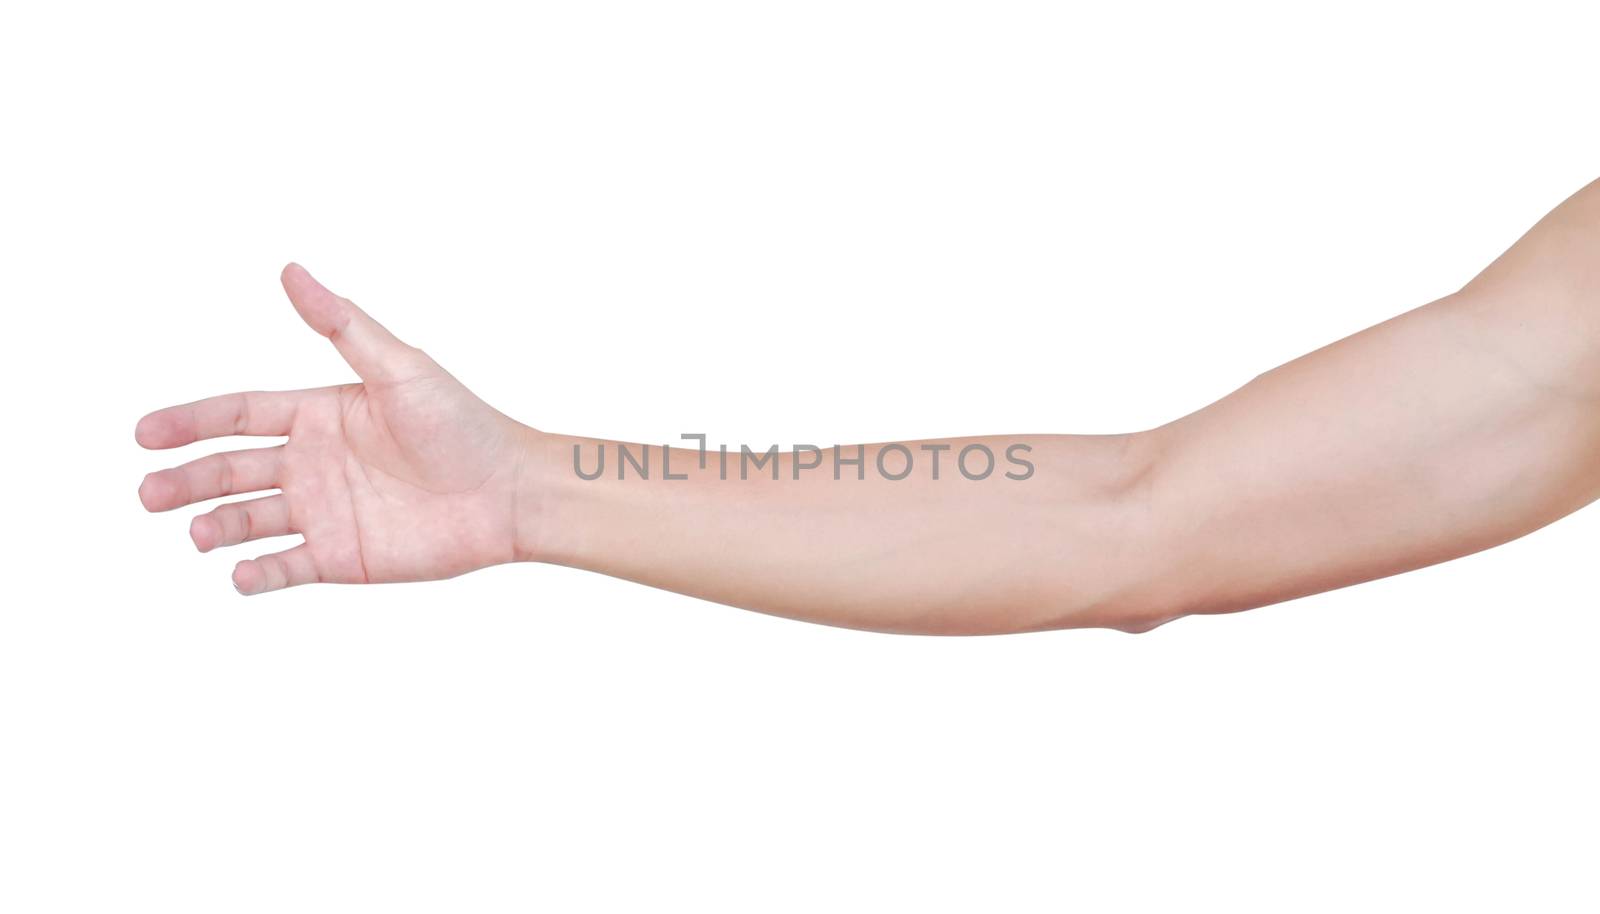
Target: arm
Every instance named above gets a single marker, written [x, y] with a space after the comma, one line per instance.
[1457, 426]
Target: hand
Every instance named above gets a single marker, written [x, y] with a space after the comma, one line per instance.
[406, 476]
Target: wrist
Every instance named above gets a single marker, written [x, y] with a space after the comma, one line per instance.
[529, 495]
[543, 517]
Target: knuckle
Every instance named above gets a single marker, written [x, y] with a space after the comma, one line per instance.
[227, 525]
[225, 474]
[241, 416]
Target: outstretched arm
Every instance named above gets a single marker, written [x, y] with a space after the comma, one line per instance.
[1454, 427]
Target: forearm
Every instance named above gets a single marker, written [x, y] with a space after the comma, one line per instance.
[851, 546]
[1449, 429]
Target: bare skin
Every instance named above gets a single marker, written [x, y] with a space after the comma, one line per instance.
[404, 477]
[1457, 426]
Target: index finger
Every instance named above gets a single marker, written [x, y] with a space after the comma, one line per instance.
[251, 413]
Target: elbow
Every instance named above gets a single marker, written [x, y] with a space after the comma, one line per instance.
[1139, 582]
[1090, 553]
[1121, 570]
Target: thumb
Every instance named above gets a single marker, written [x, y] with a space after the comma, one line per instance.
[366, 345]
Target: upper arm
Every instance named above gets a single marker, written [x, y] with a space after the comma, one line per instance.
[1457, 426]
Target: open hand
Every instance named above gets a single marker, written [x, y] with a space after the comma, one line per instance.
[405, 476]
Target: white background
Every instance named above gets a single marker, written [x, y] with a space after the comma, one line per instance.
[794, 223]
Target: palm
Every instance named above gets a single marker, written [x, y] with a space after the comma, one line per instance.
[399, 483]
[406, 476]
